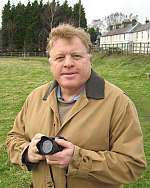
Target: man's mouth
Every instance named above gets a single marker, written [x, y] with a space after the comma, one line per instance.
[69, 73]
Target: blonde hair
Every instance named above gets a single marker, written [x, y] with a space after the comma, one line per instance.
[66, 31]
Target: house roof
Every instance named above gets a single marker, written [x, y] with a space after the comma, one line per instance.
[142, 27]
[123, 30]
[128, 29]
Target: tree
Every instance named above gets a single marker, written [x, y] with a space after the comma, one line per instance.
[36, 25]
[49, 15]
[26, 28]
[94, 34]
[19, 16]
[6, 16]
[79, 18]
[117, 18]
[66, 13]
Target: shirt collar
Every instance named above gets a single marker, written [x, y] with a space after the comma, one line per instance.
[60, 98]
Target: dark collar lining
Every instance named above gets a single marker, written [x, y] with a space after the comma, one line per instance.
[94, 87]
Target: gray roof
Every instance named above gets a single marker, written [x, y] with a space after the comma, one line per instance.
[128, 29]
[142, 27]
[123, 30]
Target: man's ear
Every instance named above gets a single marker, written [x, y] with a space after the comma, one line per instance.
[91, 58]
[49, 61]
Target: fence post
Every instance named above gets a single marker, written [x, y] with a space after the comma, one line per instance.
[144, 49]
[140, 47]
[131, 47]
[147, 48]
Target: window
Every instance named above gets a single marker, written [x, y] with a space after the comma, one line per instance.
[142, 34]
[137, 36]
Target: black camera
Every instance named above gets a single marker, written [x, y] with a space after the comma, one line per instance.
[48, 145]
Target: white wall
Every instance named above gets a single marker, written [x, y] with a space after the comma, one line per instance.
[142, 36]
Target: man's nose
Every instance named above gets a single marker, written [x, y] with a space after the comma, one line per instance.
[68, 61]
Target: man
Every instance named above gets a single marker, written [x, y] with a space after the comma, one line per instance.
[103, 145]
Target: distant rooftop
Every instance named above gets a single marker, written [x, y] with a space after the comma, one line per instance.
[127, 28]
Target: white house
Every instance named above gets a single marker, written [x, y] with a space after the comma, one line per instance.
[127, 32]
[130, 35]
[141, 33]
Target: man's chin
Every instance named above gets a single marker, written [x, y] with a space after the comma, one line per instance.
[70, 86]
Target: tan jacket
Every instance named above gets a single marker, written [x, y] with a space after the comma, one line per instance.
[104, 127]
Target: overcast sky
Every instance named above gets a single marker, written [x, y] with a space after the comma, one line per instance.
[96, 9]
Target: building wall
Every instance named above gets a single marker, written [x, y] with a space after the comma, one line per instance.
[122, 38]
[142, 36]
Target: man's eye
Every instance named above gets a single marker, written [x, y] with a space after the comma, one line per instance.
[76, 56]
[59, 58]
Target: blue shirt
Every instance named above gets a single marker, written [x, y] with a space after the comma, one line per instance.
[60, 98]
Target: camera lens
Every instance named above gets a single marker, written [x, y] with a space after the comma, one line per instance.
[47, 146]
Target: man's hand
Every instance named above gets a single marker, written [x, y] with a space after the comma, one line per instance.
[33, 156]
[64, 157]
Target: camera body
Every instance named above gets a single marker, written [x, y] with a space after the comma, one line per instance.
[48, 145]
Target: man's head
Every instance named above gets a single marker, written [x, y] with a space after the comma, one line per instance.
[69, 56]
[66, 31]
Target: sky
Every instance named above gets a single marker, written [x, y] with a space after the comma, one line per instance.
[97, 9]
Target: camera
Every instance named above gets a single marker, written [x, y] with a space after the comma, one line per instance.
[48, 145]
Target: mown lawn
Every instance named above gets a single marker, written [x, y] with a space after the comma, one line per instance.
[18, 77]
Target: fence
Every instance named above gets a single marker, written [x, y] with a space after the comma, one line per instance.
[22, 54]
[117, 48]
[124, 48]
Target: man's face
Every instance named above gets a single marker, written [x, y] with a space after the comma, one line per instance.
[70, 63]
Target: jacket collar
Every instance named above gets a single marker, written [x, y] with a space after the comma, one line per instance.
[94, 87]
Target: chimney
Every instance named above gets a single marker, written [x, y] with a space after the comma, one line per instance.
[110, 27]
[134, 21]
[147, 21]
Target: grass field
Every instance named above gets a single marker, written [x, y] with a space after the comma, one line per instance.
[19, 76]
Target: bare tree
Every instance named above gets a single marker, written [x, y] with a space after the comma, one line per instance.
[53, 10]
[79, 13]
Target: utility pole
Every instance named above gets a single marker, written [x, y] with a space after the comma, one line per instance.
[79, 13]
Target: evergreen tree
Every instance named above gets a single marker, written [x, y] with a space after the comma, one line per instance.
[6, 16]
[34, 26]
[19, 16]
[65, 13]
[79, 18]
[48, 15]
[93, 34]
[26, 28]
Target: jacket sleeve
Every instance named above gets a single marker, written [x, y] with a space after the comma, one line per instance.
[125, 161]
[17, 142]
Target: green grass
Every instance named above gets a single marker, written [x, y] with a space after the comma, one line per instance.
[18, 77]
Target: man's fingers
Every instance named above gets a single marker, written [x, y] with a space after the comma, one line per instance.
[37, 157]
[58, 163]
[35, 149]
[38, 136]
[51, 161]
[63, 143]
